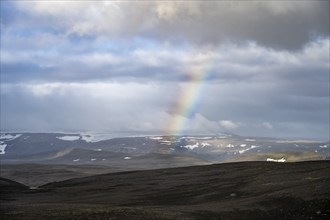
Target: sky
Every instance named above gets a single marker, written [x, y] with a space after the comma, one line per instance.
[253, 68]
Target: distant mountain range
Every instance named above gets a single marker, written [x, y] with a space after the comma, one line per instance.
[153, 151]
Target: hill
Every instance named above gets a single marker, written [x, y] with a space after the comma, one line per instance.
[245, 190]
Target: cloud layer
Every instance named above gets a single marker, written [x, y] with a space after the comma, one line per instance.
[283, 24]
[262, 68]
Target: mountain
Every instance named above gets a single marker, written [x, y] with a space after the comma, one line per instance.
[8, 186]
[245, 190]
[59, 156]
[78, 149]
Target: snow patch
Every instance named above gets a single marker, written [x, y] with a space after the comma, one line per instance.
[205, 144]
[191, 147]
[165, 142]
[242, 145]
[2, 148]
[87, 138]
[93, 159]
[204, 138]
[69, 138]
[274, 160]
[230, 145]
[243, 151]
[76, 160]
[6, 137]
[324, 146]
[96, 137]
[9, 137]
[98, 149]
[250, 148]
[249, 139]
[188, 137]
[156, 138]
[130, 148]
[127, 158]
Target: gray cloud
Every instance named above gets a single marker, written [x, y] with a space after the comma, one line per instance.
[228, 63]
[257, 68]
[94, 106]
[277, 24]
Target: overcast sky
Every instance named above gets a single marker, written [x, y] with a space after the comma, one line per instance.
[244, 67]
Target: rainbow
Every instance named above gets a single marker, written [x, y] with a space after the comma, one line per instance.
[188, 101]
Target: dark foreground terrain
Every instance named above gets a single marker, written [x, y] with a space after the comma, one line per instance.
[246, 190]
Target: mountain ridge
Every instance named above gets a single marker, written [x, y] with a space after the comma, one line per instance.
[244, 190]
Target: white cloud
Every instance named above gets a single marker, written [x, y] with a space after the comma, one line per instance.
[229, 125]
[267, 125]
